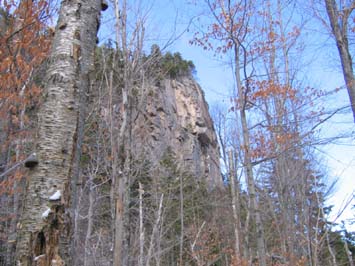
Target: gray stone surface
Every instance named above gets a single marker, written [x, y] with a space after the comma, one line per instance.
[174, 116]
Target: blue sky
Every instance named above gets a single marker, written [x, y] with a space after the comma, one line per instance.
[323, 72]
[167, 19]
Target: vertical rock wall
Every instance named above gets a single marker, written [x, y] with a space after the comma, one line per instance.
[174, 116]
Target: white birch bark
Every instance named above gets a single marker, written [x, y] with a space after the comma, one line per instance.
[71, 60]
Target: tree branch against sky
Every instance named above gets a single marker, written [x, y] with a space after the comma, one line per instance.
[125, 164]
[339, 16]
[286, 106]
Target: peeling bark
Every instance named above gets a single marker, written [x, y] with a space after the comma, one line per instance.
[45, 240]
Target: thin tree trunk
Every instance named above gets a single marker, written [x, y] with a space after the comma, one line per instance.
[348, 253]
[141, 228]
[16, 187]
[248, 163]
[235, 210]
[181, 220]
[130, 50]
[41, 237]
[341, 38]
[195, 254]
[121, 187]
[87, 247]
[331, 252]
[155, 230]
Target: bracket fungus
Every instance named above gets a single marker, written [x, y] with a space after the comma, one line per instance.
[31, 161]
[104, 5]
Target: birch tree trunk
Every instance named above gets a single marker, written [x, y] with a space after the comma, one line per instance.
[44, 230]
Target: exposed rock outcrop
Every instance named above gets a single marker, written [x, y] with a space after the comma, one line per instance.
[174, 116]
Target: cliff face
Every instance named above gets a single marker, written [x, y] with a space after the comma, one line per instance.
[172, 144]
[174, 116]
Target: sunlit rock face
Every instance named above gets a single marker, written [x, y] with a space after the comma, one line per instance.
[174, 117]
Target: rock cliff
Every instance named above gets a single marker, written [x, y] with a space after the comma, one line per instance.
[174, 116]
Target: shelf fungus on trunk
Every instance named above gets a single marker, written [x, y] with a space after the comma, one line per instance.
[104, 5]
[31, 161]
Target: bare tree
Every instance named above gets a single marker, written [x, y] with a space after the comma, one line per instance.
[339, 22]
[129, 46]
[231, 28]
[141, 227]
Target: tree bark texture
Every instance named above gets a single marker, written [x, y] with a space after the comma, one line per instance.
[339, 25]
[45, 239]
[235, 206]
[121, 170]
